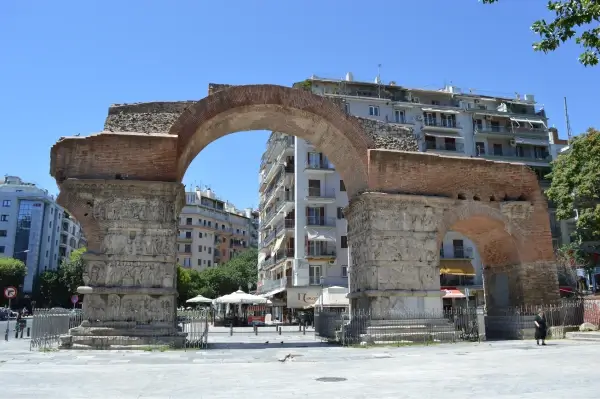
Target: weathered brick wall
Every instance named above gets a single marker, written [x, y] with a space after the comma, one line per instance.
[152, 117]
[591, 311]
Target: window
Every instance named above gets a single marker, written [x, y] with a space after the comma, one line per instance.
[187, 262]
[435, 102]
[209, 250]
[314, 160]
[344, 271]
[46, 254]
[314, 274]
[223, 227]
[450, 143]
[399, 116]
[459, 249]
[497, 149]
[199, 262]
[3, 233]
[200, 235]
[478, 123]
[6, 203]
[314, 188]
[342, 186]
[480, 148]
[188, 234]
[430, 143]
[199, 248]
[429, 118]
[2, 249]
[344, 241]
[209, 263]
[188, 248]
[520, 151]
[3, 218]
[495, 125]
[209, 223]
[373, 110]
[340, 213]
[188, 221]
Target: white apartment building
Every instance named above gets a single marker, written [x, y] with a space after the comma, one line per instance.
[213, 231]
[303, 241]
[447, 121]
[34, 229]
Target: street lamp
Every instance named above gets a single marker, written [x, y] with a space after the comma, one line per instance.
[322, 283]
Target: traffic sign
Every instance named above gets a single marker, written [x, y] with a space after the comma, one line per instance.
[10, 292]
[74, 299]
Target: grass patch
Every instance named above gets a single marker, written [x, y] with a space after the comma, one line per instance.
[47, 350]
[160, 348]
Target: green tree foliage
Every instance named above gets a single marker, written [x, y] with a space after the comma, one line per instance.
[576, 185]
[578, 19]
[216, 281]
[55, 287]
[12, 272]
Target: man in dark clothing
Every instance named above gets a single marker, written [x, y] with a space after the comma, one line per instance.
[540, 327]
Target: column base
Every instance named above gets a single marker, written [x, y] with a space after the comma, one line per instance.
[122, 337]
[383, 304]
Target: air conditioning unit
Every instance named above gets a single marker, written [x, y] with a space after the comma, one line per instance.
[513, 143]
[332, 262]
[419, 117]
[488, 118]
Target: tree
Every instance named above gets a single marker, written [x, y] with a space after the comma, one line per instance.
[217, 281]
[576, 185]
[55, 287]
[12, 272]
[571, 17]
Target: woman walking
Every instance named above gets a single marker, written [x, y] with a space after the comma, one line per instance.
[540, 327]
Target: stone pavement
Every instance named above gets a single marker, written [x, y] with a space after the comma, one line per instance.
[512, 369]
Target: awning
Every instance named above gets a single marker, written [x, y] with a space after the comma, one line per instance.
[441, 110]
[444, 135]
[457, 267]
[321, 234]
[486, 112]
[452, 294]
[332, 297]
[273, 292]
[528, 120]
[521, 140]
[278, 244]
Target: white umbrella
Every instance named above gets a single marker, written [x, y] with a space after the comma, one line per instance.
[240, 297]
[199, 299]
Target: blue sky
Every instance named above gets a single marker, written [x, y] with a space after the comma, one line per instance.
[62, 63]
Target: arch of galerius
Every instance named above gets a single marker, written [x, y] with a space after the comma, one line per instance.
[124, 186]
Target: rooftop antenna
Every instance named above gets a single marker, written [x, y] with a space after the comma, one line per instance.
[379, 79]
[568, 122]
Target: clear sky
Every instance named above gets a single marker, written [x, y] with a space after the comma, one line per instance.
[62, 63]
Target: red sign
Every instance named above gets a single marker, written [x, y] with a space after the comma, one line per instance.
[10, 292]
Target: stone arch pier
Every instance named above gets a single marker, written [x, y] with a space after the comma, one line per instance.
[124, 186]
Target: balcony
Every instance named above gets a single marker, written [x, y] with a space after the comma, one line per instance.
[320, 251]
[440, 125]
[511, 131]
[280, 256]
[317, 196]
[514, 155]
[272, 287]
[329, 281]
[314, 221]
[319, 167]
[184, 239]
[444, 147]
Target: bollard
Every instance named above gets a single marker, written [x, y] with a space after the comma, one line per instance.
[304, 329]
[16, 334]
[299, 327]
[28, 332]
[22, 330]
[255, 329]
[279, 330]
[231, 330]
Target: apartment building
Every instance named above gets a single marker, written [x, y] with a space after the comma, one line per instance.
[34, 229]
[448, 121]
[212, 231]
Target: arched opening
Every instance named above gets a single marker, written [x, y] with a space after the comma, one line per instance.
[479, 258]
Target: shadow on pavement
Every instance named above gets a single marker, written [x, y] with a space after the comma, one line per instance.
[255, 345]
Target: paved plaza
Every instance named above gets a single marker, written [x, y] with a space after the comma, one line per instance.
[513, 369]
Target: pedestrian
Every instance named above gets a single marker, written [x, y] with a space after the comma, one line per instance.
[540, 327]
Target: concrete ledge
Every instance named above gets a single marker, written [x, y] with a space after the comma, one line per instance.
[583, 336]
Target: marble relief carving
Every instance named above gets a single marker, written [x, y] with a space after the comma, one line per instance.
[130, 308]
[130, 274]
[138, 243]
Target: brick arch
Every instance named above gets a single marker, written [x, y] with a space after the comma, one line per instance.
[497, 239]
[270, 107]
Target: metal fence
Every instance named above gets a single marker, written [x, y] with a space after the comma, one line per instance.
[52, 328]
[398, 327]
[458, 324]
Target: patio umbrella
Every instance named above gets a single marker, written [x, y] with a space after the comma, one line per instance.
[199, 299]
[240, 298]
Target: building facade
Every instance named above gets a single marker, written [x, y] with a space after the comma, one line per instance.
[213, 231]
[300, 188]
[34, 229]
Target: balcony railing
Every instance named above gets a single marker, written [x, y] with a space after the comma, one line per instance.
[318, 193]
[267, 285]
[509, 130]
[520, 157]
[459, 253]
[444, 123]
[320, 252]
[320, 221]
[289, 223]
[318, 165]
[455, 147]
[278, 257]
[329, 281]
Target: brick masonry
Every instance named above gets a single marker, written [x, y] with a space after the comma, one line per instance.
[497, 205]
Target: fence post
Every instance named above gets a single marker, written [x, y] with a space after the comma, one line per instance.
[231, 329]
[304, 329]
[279, 330]
[28, 332]
[343, 332]
[255, 329]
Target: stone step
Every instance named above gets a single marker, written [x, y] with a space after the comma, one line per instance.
[584, 336]
[415, 337]
[408, 329]
[410, 322]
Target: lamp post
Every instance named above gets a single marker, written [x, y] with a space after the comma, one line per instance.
[322, 283]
